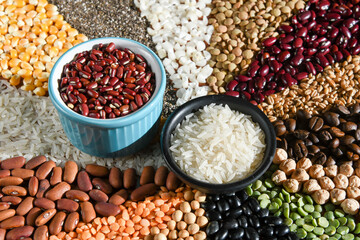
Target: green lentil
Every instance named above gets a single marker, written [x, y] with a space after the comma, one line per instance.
[324, 236]
[264, 203]
[316, 238]
[314, 222]
[301, 202]
[274, 207]
[343, 230]
[293, 206]
[318, 231]
[281, 196]
[309, 208]
[278, 213]
[273, 194]
[337, 236]
[323, 222]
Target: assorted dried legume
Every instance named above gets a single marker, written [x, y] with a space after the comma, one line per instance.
[106, 82]
[32, 37]
[239, 29]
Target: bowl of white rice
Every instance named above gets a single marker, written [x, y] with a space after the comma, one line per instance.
[218, 144]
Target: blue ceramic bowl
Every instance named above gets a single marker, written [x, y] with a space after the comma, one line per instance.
[110, 137]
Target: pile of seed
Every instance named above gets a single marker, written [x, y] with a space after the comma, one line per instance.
[32, 37]
[338, 184]
[239, 28]
[338, 84]
[238, 216]
[307, 219]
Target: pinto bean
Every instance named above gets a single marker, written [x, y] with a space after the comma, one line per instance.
[35, 162]
[5, 214]
[102, 185]
[115, 178]
[77, 195]
[70, 171]
[56, 176]
[67, 205]
[41, 233]
[161, 175]
[57, 223]
[44, 203]
[32, 215]
[20, 233]
[83, 181]
[33, 186]
[87, 212]
[13, 222]
[97, 170]
[8, 181]
[44, 217]
[43, 187]
[71, 221]
[45, 169]
[58, 191]
[12, 163]
[14, 191]
[25, 206]
[23, 173]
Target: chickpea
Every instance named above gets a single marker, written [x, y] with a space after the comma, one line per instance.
[173, 234]
[278, 177]
[181, 225]
[316, 171]
[202, 221]
[199, 212]
[331, 171]
[304, 163]
[177, 215]
[201, 235]
[171, 225]
[353, 192]
[154, 230]
[350, 206]
[200, 196]
[160, 236]
[346, 169]
[354, 181]
[190, 218]
[185, 207]
[337, 196]
[321, 196]
[280, 156]
[149, 237]
[193, 228]
[183, 233]
[165, 231]
[195, 205]
[189, 238]
[300, 175]
[326, 183]
[291, 185]
[341, 181]
[288, 166]
[311, 186]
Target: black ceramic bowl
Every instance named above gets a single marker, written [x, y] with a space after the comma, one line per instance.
[235, 104]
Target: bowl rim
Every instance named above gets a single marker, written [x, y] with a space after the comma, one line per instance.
[106, 123]
[182, 111]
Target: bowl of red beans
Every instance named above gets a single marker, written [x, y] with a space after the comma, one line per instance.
[108, 93]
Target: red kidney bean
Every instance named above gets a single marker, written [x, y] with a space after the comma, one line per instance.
[67, 205]
[83, 181]
[41, 233]
[13, 222]
[97, 170]
[172, 181]
[269, 42]
[116, 178]
[44, 185]
[44, 170]
[12, 163]
[44, 217]
[107, 209]
[56, 223]
[87, 212]
[119, 197]
[77, 195]
[102, 185]
[102, 81]
[20, 233]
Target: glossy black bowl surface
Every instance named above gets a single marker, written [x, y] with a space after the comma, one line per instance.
[235, 104]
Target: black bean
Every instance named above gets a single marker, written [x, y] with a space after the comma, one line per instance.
[237, 212]
[271, 220]
[246, 210]
[266, 231]
[281, 230]
[236, 233]
[214, 197]
[234, 202]
[251, 234]
[213, 215]
[212, 228]
[254, 221]
[243, 222]
[209, 205]
[254, 205]
[223, 205]
[264, 212]
[231, 223]
[221, 234]
[242, 195]
[293, 236]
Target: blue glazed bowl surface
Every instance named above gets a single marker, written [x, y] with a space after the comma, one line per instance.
[110, 137]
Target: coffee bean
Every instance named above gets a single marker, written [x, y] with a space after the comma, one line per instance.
[316, 123]
[280, 130]
[357, 135]
[313, 149]
[352, 156]
[337, 152]
[336, 132]
[303, 115]
[349, 126]
[355, 108]
[319, 158]
[301, 134]
[314, 138]
[290, 124]
[300, 149]
[334, 143]
[308, 142]
[332, 118]
[278, 122]
[346, 140]
[342, 110]
[325, 136]
[354, 147]
[330, 161]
